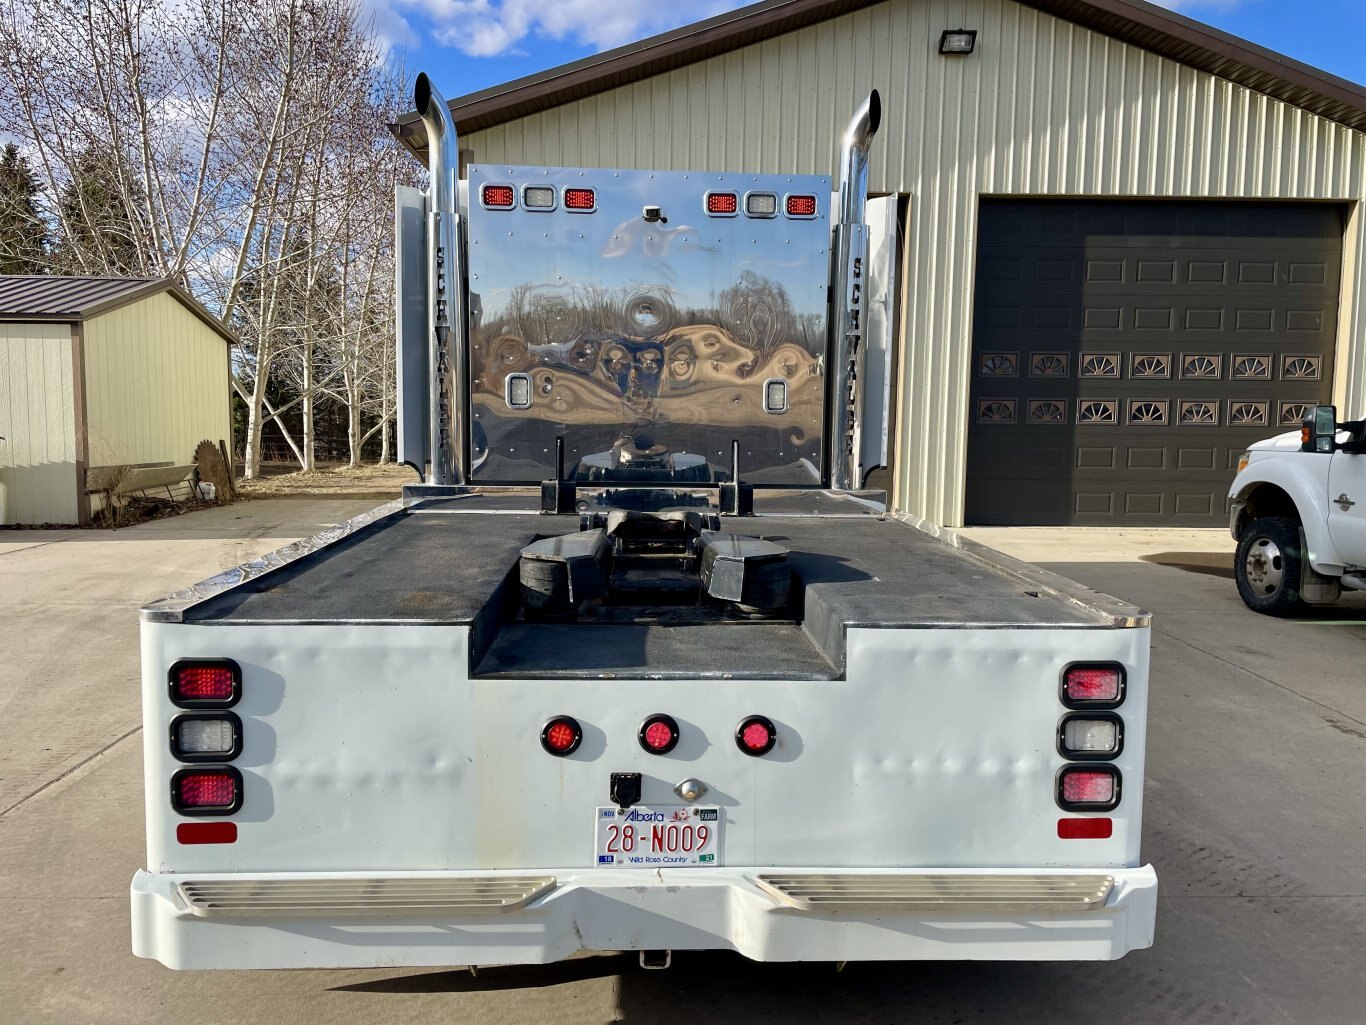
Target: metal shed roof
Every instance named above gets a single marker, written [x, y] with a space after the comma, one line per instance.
[50, 297]
[1135, 22]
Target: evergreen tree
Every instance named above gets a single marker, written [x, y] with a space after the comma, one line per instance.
[98, 235]
[23, 233]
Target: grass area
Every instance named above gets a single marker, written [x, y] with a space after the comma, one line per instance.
[279, 480]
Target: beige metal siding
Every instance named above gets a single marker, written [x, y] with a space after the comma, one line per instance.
[38, 425]
[156, 383]
[1042, 108]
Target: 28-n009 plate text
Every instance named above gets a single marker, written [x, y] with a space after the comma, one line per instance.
[678, 836]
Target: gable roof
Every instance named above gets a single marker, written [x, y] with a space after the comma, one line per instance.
[1136, 22]
[51, 297]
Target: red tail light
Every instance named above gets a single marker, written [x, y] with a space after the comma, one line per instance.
[1094, 788]
[205, 683]
[216, 791]
[801, 206]
[582, 200]
[499, 197]
[659, 734]
[722, 204]
[1093, 686]
[561, 735]
[756, 735]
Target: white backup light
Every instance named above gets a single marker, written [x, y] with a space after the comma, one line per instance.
[1092, 736]
[205, 736]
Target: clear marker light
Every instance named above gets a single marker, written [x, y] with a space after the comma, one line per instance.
[1093, 736]
[205, 736]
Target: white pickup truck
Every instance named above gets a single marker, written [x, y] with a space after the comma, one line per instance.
[1299, 515]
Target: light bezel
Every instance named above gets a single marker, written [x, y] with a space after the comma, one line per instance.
[667, 720]
[592, 192]
[706, 202]
[971, 33]
[204, 663]
[768, 383]
[756, 720]
[1105, 767]
[1091, 756]
[744, 201]
[554, 198]
[815, 206]
[567, 720]
[207, 811]
[483, 189]
[1085, 704]
[197, 757]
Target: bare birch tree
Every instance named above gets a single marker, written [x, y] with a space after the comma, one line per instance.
[224, 132]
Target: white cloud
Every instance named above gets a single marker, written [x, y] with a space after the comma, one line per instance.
[391, 27]
[492, 28]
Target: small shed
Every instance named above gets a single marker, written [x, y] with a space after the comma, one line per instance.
[101, 372]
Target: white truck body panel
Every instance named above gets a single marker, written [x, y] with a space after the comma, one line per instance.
[370, 753]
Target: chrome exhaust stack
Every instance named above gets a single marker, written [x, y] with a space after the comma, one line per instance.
[445, 309]
[850, 245]
[858, 137]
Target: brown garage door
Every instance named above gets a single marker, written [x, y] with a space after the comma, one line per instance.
[1125, 353]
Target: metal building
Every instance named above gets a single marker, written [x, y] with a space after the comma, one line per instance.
[101, 372]
[1131, 243]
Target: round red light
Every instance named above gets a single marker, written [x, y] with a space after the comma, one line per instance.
[561, 735]
[756, 735]
[659, 734]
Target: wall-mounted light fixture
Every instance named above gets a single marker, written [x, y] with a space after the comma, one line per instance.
[958, 41]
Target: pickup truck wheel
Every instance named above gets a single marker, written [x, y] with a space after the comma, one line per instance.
[1269, 566]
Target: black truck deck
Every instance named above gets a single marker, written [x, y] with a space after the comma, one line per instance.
[454, 562]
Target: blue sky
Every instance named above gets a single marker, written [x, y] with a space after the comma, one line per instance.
[472, 44]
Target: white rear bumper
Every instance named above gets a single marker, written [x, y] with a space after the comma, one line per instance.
[358, 920]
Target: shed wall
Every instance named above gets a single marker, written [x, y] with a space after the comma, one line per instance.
[156, 383]
[38, 425]
[1043, 108]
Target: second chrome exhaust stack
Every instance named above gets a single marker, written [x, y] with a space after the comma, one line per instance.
[850, 283]
[445, 311]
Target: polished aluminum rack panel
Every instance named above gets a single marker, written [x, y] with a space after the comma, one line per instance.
[647, 342]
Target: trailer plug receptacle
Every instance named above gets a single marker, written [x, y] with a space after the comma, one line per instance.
[624, 789]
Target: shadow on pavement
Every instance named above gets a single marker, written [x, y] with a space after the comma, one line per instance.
[1215, 564]
[498, 978]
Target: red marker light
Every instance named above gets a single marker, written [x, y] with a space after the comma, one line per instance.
[722, 203]
[1085, 829]
[205, 683]
[206, 832]
[580, 199]
[756, 735]
[500, 197]
[561, 736]
[659, 734]
[801, 206]
[215, 791]
[1092, 686]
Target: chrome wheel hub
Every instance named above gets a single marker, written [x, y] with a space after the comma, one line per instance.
[1265, 566]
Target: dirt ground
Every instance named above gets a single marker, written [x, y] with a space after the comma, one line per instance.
[282, 480]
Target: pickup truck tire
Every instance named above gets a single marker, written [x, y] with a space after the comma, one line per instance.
[1270, 565]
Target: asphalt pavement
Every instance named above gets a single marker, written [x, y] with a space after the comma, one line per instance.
[1255, 820]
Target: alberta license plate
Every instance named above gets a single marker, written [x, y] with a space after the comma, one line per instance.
[671, 835]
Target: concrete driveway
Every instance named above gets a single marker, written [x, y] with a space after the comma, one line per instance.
[1256, 820]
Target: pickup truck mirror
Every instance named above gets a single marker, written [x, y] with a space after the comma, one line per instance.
[1319, 431]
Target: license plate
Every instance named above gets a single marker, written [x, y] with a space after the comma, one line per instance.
[665, 835]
